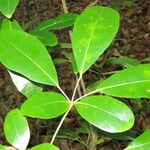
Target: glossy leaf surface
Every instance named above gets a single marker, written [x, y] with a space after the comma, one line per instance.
[7, 7]
[25, 54]
[8, 24]
[140, 143]
[93, 32]
[45, 105]
[25, 86]
[62, 21]
[46, 37]
[106, 113]
[16, 129]
[45, 146]
[133, 82]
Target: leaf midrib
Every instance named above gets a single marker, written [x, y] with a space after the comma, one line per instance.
[54, 23]
[88, 45]
[140, 145]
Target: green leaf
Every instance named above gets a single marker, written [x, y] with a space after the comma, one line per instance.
[106, 113]
[7, 7]
[62, 21]
[124, 61]
[45, 105]
[133, 82]
[46, 37]
[2, 147]
[26, 87]
[25, 54]
[8, 24]
[45, 146]
[93, 32]
[140, 143]
[16, 129]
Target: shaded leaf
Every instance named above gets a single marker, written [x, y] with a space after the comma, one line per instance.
[142, 142]
[16, 129]
[8, 24]
[45, 105]
[106, 113]
[124, 61]
[25, 54]
[7, 7]
[26, 87]
[45, 146]
[133, 82]
[46, 37]
[93, 32]
[62, 21]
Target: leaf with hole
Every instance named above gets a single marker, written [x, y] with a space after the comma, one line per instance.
[16, 129]
[45, 105]
[62, 21]
[142, 142]
[133, 82]
[106, 113]
[7, 7]
[93, 32]
[46, 37]
[33, 59]
[45, 146]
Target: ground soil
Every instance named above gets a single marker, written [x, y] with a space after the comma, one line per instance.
[133, 40]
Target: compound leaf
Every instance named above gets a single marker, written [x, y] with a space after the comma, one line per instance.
[16, 129]
[106, 113]
[140, 143]
[93, 32]
[7, 7]
[45, 105]
[25, 54]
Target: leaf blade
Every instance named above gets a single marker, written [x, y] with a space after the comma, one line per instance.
[29, 52]
[45, 146]
[133, 82]
[7, 7]
[92, 36]
[142, 142]
[16, 129]
[49, 105]
[114, 112]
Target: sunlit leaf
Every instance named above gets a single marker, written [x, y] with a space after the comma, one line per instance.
[45, 146]
[140, 143]
[62, 21]
[16, 129]
[45, 105]
[93, 32]
[25, 54]
[7, 7]
[133, 82]
[106, 113]
[2, 147]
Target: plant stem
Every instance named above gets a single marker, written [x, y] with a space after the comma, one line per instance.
[60, 124]
[93, 92]
[60, 89]
[75, 89]
[78, 89]
[64, 6]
